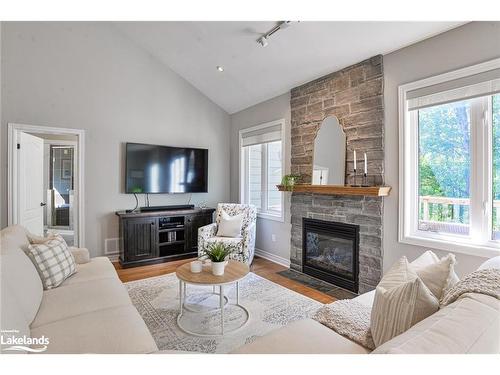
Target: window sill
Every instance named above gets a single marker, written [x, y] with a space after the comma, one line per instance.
[268, 216]
[453, 245]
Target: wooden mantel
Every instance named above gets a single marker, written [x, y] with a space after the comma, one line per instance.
[374, 191]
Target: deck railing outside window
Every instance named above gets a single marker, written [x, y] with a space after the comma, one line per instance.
[451, 215]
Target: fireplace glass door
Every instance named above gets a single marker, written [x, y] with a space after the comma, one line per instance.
[330, 254]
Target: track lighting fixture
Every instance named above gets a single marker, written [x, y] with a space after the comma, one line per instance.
[264, 39]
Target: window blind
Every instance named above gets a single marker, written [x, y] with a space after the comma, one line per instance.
[477, 85]
[264, 135]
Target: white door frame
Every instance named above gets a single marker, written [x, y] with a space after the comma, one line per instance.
[12, 179]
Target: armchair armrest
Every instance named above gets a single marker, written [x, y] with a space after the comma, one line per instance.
[80, 254]
[207, 231]
[204, 233]
[249, 242]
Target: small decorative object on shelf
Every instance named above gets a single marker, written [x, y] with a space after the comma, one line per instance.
[196, 266]
[355, 170]
[217, 252]
[289, 180]
[365, 174]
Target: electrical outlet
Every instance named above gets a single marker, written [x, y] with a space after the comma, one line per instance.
[273, 237]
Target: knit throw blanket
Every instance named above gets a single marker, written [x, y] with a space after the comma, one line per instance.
[483, 281]
[348, 318]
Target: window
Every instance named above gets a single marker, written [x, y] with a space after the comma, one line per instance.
[262, 168]
[496, 167]
[450, 161]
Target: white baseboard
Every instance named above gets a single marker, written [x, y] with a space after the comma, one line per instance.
[272, 257]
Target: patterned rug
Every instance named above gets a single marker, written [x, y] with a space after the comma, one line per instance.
[270, 305]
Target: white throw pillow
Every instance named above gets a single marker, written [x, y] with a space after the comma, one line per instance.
[401, 300]
[53, 261]
[426, 259]
[230, 226]
[437, 274]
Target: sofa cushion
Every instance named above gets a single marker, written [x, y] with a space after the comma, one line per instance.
[80, 298]
[491, 263]
[80, 254]
[401, 300]
[98, 268]
[469, 325]
[53, 261]
[119, 330]
[302, 337]
[366, 298]
[19, 272]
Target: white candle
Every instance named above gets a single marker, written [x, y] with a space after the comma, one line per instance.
[366, 166]
[196, 266]
[354, 159]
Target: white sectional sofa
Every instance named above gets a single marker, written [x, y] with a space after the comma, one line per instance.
[90, 312]
[469, 325]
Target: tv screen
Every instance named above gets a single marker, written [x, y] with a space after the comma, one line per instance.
[162, 169]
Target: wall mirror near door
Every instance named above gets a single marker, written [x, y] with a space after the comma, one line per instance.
[329, 153]
[45, 180]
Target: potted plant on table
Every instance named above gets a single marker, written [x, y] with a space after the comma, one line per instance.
[217, 252]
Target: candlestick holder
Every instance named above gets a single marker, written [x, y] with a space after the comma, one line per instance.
[355, 183]
[365, 180]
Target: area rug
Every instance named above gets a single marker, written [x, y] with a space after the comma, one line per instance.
[270, 305]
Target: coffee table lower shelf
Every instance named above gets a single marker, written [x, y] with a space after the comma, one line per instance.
[223, 302]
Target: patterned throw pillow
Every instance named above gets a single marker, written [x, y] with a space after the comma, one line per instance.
[53, 261]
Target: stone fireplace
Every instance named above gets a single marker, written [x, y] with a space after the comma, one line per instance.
[355, 96]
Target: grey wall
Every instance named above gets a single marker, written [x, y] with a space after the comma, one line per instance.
[467, 45]
[89, 76]
[274, 109]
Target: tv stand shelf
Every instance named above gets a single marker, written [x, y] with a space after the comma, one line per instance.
[160, 236]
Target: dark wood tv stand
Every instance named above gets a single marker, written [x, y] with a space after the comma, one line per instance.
[160, 236]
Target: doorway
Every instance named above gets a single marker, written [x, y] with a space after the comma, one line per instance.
[59, 185]
[46, 180]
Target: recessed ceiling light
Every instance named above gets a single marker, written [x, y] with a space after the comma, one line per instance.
[220, 68]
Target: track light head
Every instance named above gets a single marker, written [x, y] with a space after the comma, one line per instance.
[263, 41]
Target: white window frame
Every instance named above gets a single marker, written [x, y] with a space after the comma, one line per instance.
[481, 180]
[271, 215]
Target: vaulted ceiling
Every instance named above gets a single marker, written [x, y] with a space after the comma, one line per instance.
[296, 55]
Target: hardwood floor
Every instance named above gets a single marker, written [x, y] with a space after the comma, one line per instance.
[260, 266]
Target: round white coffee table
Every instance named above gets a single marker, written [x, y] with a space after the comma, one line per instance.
[234, 272]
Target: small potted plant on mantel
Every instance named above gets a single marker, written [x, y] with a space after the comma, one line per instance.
[217, 252]
[289, 180]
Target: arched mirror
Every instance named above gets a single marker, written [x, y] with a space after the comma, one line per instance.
[329, 154]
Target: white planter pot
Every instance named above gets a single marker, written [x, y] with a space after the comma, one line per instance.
[218, 268]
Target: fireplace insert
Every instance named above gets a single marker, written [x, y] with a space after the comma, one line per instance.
[330, 252]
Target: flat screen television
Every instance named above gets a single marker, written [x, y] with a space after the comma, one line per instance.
[155, 169]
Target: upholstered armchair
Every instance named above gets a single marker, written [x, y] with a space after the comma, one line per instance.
[245, 244]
